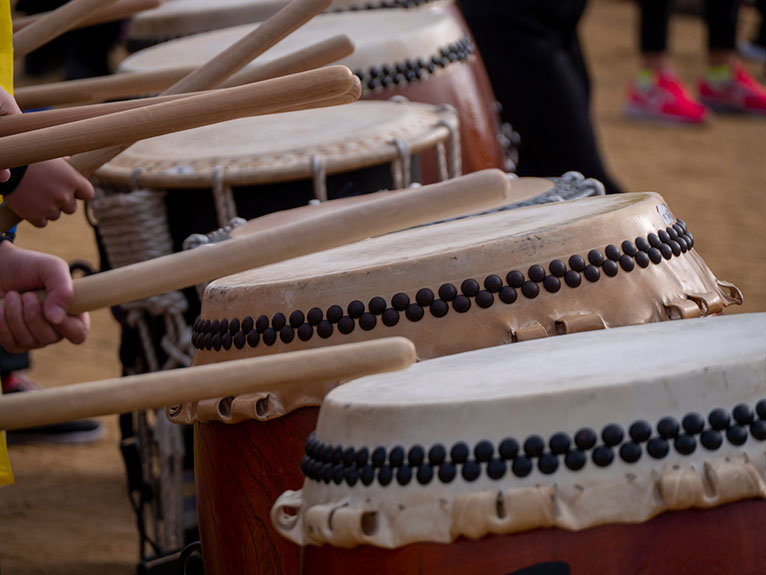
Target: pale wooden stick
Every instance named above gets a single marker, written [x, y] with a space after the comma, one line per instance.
[98, 89]
[246, 49]
[190, 112]
[334, 84]
[467, 194]
[313, 56]
[54, 24]
[232, 378]
[140, 83]
[120, 10]
[231, 60]
[20, 123]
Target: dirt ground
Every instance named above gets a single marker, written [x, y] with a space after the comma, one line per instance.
[68, 512]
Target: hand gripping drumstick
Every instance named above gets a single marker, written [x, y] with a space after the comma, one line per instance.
[53, 24]
[156, 390]
[140, 83]
[120, 10]
[350, 223]
[334, 82]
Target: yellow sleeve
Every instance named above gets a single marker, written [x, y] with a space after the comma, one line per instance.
[6, 46]
[6, 81]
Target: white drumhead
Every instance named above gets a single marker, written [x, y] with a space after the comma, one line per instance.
[379, 37]
[280, 147]
[603, 427]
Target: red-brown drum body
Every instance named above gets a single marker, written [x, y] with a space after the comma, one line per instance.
[422, 54]
[633, 450]
[720, 540]
[239, 471]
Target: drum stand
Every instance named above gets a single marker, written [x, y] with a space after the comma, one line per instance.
[133, 227]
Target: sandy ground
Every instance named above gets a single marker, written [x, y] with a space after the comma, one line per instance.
[68, 512]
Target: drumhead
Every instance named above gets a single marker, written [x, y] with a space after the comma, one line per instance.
[473, 283]
[177, 18]
[280, 147]
[604, 427]
[381, 38]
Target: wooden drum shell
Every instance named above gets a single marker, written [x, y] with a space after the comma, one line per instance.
[720, 540]
[240, 470]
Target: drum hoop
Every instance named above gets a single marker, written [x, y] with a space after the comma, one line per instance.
[243, 172]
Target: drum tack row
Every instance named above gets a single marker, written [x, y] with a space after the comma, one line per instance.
[623, 446]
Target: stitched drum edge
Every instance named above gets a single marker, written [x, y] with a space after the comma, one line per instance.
[250, 171]
[396, 74]
[512, 458]
[734, 475]
[222, 333]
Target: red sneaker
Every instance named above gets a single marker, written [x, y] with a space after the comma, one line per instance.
[741, 94]
[665, 99]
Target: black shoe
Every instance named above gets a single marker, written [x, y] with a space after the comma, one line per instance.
[80, 431]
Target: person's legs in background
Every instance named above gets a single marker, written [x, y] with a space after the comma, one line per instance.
[656, 92]
[534, 62]
[727, 86]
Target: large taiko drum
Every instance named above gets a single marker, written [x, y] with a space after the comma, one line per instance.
[424, 55]
[633, 450]
[472, 283]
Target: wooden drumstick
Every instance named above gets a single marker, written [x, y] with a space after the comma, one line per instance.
[54, 24]
[270, 96]
[20, 123]
[246, 49]
[166, 117]
[231, 378]
[222, 66]
[312, 56]
[140, 83]
[464, 195]
[120, 10]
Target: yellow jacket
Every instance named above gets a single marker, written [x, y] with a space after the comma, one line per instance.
[6, 81]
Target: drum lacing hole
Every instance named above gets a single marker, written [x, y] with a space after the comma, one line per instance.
[262, 407]
[500, 505]
[224, 407]
[369, 523]
[288, 517]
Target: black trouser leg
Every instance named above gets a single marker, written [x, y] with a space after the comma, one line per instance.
[538, 74]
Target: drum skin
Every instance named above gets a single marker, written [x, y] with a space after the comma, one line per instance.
[240, 470]
[720, 540]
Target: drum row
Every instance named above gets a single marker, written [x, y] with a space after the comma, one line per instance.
[481, 440]
[550, 455]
